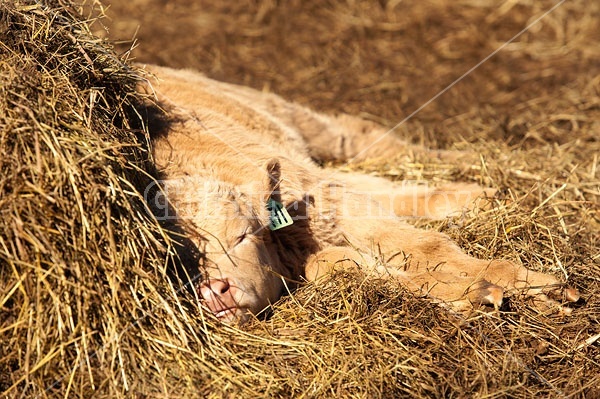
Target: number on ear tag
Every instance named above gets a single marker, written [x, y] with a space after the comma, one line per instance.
[280, 217]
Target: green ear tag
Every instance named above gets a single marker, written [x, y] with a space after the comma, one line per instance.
[280, 217]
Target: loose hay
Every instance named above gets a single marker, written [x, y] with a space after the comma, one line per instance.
[86, 306]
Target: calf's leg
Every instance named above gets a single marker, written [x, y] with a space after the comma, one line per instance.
[429, 263]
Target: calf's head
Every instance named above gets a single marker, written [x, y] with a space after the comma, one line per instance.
[241, 271]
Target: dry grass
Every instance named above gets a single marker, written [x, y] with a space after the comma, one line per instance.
[86, 308]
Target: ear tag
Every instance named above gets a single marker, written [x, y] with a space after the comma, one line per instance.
[280, 217]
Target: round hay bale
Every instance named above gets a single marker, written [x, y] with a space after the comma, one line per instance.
[82, 261]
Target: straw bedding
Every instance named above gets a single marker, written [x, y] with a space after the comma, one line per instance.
[86, 305]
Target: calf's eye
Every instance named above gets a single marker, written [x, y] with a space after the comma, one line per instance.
[240, 239]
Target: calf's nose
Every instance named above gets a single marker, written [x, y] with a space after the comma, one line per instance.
[217, 294]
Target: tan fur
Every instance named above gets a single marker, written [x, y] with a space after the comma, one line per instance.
[228, 149]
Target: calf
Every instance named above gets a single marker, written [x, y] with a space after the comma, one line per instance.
[241, 174]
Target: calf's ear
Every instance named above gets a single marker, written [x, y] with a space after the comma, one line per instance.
[273, 179]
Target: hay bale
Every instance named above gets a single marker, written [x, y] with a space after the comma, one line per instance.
[80, 256]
